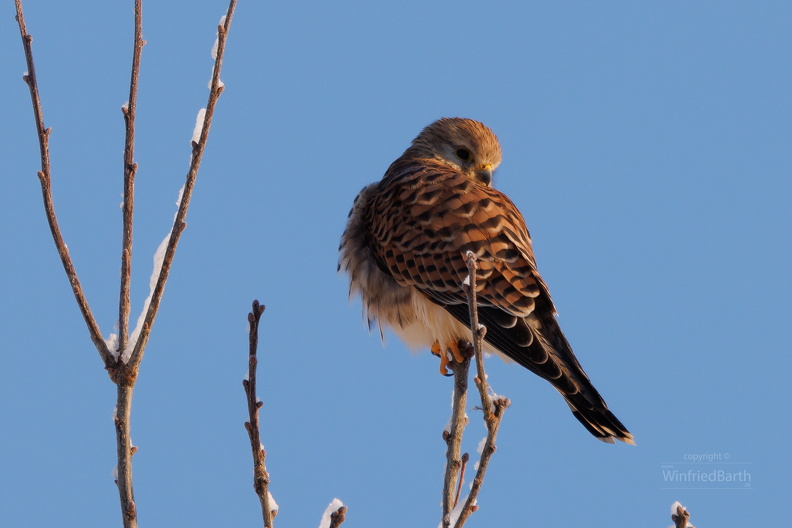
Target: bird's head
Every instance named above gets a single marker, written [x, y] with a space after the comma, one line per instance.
[464, 144]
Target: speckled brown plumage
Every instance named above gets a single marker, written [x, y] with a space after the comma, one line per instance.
[404, 250]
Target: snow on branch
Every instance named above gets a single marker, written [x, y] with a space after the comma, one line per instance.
[680, 516]
[334, 515]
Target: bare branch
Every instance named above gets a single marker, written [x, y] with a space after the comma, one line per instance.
[46, 191]
[260, 475]
[179, 224]
[465, 460]
[500, 405]
[130, 170]
[124, 451]
[453, 437]
[493, 409]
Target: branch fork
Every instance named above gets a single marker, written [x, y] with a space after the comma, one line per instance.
[122, 373]
[492, 408]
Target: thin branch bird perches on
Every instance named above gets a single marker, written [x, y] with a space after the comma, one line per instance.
[493, 409]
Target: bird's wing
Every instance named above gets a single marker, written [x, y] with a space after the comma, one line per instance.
[426, 216]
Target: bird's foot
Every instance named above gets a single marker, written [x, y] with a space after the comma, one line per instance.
[457, 351]
[455, 355]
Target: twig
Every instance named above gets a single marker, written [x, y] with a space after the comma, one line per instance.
[46, 191]
[130, 169]
[493, 409]
[465, 460]
[453, 437]
[680, 516]
[178, 223]
[260, 475]
[337, 517]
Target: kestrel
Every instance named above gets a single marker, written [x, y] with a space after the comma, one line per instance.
[404, 250]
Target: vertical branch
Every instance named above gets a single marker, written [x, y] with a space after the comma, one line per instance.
[260, 475]
[478, 336]
[126, 379]
[46, 191]
[195, 163]
[130, 170]
[125, 450]
[453, 438]
[493, 409]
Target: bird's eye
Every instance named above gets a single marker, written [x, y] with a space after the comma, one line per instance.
[464, 154]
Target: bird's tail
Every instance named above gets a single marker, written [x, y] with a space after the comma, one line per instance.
[599, 421]
[583, 399]
[537, 343]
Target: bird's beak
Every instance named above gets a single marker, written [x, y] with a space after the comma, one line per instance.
[484, 174]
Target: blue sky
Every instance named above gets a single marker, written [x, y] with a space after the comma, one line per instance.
[647, 144]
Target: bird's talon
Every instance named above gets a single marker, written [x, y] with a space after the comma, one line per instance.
[438, 351]
[452, 353]
[459, 357]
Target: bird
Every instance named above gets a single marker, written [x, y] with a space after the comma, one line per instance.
[404, 249]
